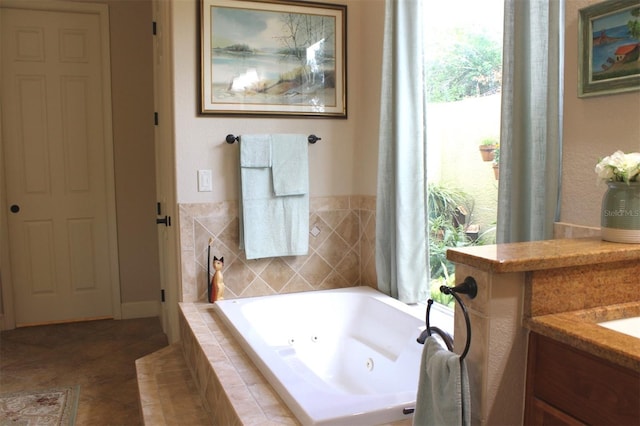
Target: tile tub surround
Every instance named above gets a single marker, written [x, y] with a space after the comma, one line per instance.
[230, 385]
[167, 391]
[522, 282]
[341, 250]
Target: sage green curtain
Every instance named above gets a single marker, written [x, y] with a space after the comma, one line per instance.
[531, 129]
[401, 211]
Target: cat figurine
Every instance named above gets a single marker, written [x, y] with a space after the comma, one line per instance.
[217, 283]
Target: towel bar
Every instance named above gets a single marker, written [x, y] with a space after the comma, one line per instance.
[231, 139]
[468, 287]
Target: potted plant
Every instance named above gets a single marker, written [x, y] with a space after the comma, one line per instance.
[496, 162]
[487, 148]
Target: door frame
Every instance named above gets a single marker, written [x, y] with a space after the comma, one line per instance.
[7, 317]
[168, 237]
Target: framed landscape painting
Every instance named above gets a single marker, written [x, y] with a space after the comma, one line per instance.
[609, 51]
[273, 58]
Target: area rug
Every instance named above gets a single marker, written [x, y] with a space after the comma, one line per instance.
[56, 406]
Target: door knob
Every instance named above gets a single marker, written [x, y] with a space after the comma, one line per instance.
[14, 208]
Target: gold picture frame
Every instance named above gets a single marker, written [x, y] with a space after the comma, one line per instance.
[273, 58]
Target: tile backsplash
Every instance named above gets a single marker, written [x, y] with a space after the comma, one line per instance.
[341, 250]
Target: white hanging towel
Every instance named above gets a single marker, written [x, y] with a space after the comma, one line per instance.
[274, 207]
[443, 388]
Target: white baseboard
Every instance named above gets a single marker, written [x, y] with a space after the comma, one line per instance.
[146, 309]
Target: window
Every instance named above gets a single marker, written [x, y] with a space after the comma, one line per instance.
[463, 59]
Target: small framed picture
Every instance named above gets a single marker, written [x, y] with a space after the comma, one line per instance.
[609, 48]
[273, 58]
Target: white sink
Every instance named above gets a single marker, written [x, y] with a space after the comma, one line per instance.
[630, 326]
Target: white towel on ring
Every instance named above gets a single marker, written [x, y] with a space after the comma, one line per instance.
[443, 388]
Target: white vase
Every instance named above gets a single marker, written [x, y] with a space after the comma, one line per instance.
[620, 217]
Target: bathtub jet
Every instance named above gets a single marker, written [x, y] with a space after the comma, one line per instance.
[335, 357]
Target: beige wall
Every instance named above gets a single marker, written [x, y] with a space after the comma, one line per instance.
[342, 163]
[593, 128]
[366, 51]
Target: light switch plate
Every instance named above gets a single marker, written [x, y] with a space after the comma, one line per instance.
[204, 181]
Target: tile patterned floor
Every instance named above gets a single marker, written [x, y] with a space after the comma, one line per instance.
[98, 355]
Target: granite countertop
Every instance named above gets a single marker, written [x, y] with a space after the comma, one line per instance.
[580, 330]
[577, 327]
[547, 254]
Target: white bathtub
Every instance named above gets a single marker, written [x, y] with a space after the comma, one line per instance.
[335, 357]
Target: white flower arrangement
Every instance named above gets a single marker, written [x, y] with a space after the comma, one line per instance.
[619, 167]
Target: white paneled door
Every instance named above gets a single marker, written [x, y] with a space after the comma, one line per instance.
[58, 161]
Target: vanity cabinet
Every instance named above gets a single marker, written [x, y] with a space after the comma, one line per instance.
[566, 386]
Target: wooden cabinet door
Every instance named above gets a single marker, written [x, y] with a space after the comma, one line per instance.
[569, 386]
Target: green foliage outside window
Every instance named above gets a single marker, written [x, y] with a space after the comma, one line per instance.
[448, 210]
[468, 64]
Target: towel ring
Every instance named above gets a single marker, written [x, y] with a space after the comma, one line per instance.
[446, 337]
[468, 287]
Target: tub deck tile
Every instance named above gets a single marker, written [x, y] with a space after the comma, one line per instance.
[168, 394]
[228, 381]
